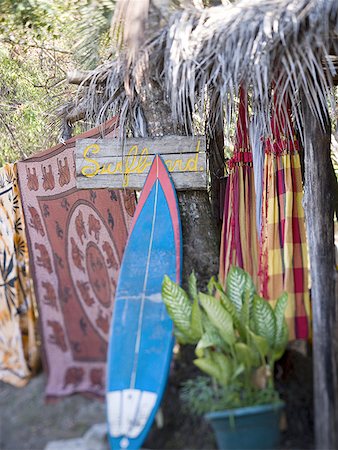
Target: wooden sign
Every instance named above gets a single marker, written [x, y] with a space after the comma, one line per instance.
[104, 163]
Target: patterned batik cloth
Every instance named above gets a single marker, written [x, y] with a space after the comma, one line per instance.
[18, 345]
[76, 243]
[284, 258]
[239, 239]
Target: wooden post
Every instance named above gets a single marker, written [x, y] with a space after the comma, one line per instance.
[319, 223]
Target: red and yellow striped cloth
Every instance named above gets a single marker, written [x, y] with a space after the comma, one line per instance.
[284, 264]
[239, 243]
[277, 262]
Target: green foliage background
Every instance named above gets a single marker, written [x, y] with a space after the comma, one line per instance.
[40, 41]
[34, 56]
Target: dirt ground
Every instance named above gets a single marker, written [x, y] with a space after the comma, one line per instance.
[28, 423]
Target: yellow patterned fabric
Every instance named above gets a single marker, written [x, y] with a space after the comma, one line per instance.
[18, 344]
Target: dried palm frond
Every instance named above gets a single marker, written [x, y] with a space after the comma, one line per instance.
[203, 55]
[129, 24]
[102, 95]
[258, 43]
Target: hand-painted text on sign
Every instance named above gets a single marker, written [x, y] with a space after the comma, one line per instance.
[103, 163]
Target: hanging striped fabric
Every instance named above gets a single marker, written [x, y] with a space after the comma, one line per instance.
[283, 256]
[239, 243]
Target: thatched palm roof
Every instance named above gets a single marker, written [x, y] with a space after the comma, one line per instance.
[203, 55]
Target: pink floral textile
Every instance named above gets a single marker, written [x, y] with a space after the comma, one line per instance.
[76, 240]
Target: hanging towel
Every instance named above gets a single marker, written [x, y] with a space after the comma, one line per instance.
[258, 157]
[18, 344]
[239, 239]
[76, 243]
[284, 258]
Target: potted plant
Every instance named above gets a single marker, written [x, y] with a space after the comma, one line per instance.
[238, 337]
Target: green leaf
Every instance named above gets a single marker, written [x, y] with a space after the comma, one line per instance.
[196, 320]
[178, 305]
[260, 343]
[247, 307]
[279, 315]
[244, 354]
[240, 368]
[239, 324]
[245, 311]
[224, 365]
[227, 304]
[183, 338]
[282, 342]
[235, 285]
[264, 320]
[209, 366]
[213, 334]
[249, 285]
[192, 286]
[206, 341]
[219, 317]
[211, 285]
[249, 293]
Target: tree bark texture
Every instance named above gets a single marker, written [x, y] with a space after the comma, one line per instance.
[199, 228]
[216, 166]
[319, 188]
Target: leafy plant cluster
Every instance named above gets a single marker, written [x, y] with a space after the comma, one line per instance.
[201, 395]
[39, 18]
[237, 335]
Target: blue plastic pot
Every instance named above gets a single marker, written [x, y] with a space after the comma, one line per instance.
[250, 428]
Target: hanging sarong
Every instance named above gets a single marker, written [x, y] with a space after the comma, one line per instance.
[284, 257]
[239, 243]
[18, 345]
[76, 243]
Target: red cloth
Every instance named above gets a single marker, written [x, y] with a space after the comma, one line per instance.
[76, 241]
[239, 242]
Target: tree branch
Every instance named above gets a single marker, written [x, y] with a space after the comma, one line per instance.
[77, 76]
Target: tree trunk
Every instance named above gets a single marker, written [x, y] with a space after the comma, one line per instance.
[199, 227]
[319, 224]
[216, 166]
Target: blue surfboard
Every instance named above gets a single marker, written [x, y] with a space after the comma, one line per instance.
[141, 338]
